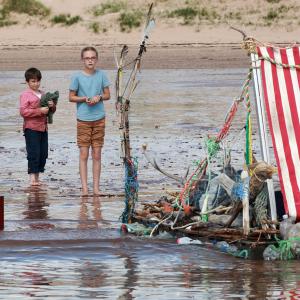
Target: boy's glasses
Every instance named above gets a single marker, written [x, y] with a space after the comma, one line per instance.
[94, 58]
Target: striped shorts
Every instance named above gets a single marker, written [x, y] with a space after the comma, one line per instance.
[90, 133]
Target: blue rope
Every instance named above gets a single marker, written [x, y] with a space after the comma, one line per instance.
[131, 188]
[237, 191]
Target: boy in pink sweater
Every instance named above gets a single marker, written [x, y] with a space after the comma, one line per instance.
[35, 125]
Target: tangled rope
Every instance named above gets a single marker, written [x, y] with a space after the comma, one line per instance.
[228, 120]
[285, 248]
[260, 206]
[250, 45]
[245, 91]
[190, 185]
[213, 146]
[131, 188]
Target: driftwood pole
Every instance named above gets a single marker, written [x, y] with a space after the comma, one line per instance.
[122, 106]
[1, 212]
[245, 201]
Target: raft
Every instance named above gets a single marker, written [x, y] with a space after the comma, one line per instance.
[231, 210]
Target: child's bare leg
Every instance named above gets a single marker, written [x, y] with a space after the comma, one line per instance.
[96, 154]
[34, 179]
[37, 178]
[83, 158]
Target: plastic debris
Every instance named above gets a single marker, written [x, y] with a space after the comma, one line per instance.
[285, 226]
[271, 253]
[136, 228]
[225, 247]
[186, 241]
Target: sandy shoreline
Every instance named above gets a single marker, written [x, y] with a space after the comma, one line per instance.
[173, 44]
[168, 56]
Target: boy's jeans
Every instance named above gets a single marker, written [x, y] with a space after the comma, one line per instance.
[37, 150]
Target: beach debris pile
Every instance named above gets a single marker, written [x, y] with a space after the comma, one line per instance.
[226, 205]
[222, 218]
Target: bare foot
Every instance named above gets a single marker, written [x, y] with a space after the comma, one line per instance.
[96, 193]
[34, 179]
[84, 193]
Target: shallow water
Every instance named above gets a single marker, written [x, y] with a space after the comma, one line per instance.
[57, 245]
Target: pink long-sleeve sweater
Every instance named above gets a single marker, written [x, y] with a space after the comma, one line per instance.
[30, 110]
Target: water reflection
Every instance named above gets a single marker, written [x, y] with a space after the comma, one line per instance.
[131, 277]
[90, 213]
[92, 277]
[37, 205]
[84, 257]
[35, 277]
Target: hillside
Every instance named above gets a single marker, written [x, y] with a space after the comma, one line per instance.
[63, 22]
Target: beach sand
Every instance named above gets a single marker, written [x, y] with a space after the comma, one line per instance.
[172, 56]
[37, 42]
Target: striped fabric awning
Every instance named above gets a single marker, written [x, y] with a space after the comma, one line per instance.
[280, 71]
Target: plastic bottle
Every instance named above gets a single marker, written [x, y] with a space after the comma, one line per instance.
[271, 253]
[285, 226]
[233, 249]
[294, 236]
[223, 246]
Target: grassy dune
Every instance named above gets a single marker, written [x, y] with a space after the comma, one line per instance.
[118, 15]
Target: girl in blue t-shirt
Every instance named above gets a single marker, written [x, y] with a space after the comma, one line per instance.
[88, 89]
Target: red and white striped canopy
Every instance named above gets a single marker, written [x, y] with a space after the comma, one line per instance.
[281, 88]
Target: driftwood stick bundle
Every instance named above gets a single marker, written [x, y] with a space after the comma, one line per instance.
[122, 106]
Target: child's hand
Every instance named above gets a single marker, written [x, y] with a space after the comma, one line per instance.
[44, 110]
[90, 101]
[96, 99]
[51, 103]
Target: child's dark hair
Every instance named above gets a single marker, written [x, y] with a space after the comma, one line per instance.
[89, 48]
[33, 73]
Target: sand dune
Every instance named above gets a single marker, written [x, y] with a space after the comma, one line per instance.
[207, 40]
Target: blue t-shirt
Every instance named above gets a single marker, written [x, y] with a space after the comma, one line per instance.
[89, 86]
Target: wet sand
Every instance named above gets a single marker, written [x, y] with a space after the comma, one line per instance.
[59, 245]
[168, 56]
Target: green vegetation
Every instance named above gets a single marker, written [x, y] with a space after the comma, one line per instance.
[211, 15]
[108, 7]
[275, 14]
[29, 7]
[233, 16]
[3, 14]
[131, 14]
[130, 19]
[187, 13]
[190, 13]
[95, 27]
[4, 22]
[65, 19]
[203, 13]
[283, 9]
[271, 15]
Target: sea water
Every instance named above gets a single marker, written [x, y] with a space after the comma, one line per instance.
[57, 245]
